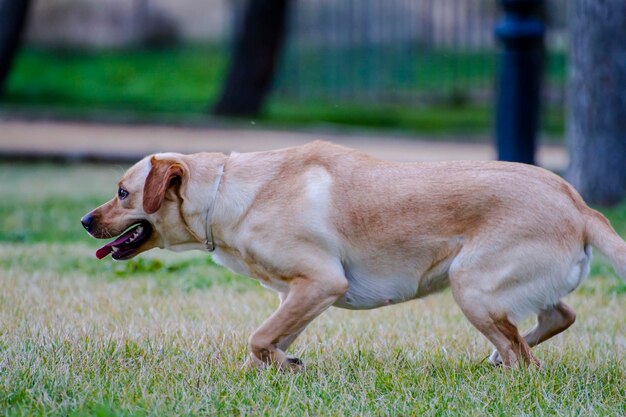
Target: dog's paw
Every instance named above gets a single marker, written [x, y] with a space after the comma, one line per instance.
[495, 359]
[289, 364]
[252, 363]
[295, 361]
[293, 364]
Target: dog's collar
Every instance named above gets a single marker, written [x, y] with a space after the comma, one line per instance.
[209, 242]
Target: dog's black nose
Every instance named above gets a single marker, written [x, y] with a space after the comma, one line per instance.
[86, 221]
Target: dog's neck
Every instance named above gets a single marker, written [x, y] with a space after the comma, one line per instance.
[198, 214]
[209, 241]
[231, 187]
[245, 175]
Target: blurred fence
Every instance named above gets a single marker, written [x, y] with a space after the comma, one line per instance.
[404, 51]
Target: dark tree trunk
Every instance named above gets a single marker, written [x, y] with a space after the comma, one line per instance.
[596, 125]
[258, 44]
[12, 22]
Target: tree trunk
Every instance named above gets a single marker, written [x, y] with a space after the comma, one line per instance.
[258, 44]
[596, 125]
[12, 22]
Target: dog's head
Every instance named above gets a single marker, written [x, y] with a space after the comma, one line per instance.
[147, 211]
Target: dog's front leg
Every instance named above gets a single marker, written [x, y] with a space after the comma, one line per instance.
[287, 341]
[308, 297]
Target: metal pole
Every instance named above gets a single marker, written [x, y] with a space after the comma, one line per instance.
[521, 33]
[13, 17]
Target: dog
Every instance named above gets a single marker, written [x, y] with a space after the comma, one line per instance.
[325, 225]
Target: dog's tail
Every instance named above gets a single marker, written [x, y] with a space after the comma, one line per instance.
[600, 233]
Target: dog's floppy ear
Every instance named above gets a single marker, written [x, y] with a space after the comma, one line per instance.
[161, 176]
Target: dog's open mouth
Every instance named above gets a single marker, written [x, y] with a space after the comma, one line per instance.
[126, 245]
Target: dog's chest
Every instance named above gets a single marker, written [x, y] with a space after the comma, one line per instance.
[237, 263]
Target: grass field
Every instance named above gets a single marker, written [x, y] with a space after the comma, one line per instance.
[183, 82]
[165, 334]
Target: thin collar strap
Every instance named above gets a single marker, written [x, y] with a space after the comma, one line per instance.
[209, 242]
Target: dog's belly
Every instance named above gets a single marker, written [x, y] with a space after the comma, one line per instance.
[369, 290]
[371, 286]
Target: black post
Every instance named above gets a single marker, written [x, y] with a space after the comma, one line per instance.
[519, 80]
[258, 46]
[13, 15]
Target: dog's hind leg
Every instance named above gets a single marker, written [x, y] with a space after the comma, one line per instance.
[495, 325]
[550, 322]
[308, 297]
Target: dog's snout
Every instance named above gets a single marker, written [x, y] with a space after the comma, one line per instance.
[87, 221]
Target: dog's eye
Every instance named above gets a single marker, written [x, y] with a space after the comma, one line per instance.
[122, 193]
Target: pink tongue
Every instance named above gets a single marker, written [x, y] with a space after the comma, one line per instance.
[103, 251]
[108, 248]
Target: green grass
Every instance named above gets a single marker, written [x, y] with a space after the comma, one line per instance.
[392, 71]
[175, 80]
[430, 120]
[438, 121]
[165, 334]
[174, 84]
[397, 71]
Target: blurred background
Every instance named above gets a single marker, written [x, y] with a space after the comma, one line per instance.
[412, 65]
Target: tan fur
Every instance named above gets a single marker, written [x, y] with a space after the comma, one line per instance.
[326, 225]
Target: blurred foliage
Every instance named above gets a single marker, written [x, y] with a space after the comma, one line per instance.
[159, 84]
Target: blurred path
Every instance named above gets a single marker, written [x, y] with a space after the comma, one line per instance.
[128, 143]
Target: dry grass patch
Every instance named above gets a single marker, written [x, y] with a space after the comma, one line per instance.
[105, 344]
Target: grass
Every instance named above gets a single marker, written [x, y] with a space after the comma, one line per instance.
[165, 334]
[174, 80]
[397, 71]
[182, 82]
